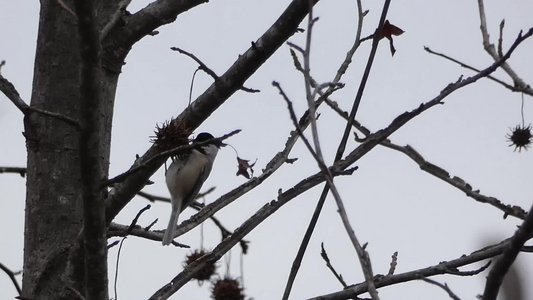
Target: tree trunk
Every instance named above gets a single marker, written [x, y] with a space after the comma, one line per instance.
[53, 255]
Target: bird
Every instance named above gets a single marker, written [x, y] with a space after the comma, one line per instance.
[185, 176]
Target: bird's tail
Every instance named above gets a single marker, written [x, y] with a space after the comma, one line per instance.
[169, 233]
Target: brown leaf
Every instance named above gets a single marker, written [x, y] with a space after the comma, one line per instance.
[387, 31]
[243, 166]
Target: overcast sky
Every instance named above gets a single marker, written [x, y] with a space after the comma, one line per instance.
[392, 204]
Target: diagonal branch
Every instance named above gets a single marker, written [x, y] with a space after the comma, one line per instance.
[12, 94]
[438, 269]
[455, 181]
[524, 89]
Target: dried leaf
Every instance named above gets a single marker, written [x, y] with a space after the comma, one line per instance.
[387, 31]
[243, 167]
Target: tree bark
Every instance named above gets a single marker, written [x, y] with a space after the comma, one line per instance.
[53, 253]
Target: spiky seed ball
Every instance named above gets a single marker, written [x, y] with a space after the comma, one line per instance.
[170, 134]
[206, 272]
[520, 137]
[227, 289]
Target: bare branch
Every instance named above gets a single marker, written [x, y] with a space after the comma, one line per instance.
[136, 219]
[500, 39]
[206, 69]
[438, 269]
[524, 89]
[120, 230]
[489, 47]
[393, 263]
[19, 170]
[201, 66]
[153, 198]
[325, 257]
[12, 94]
[444, 286]
[455, 181]
[11, 275]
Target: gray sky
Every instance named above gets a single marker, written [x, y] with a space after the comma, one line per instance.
[392, 204]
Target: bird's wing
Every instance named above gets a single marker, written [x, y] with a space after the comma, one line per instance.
[189, 198]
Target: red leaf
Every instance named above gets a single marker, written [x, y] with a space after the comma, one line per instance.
[388, 30]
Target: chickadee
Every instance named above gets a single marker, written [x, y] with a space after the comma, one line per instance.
[185, 177]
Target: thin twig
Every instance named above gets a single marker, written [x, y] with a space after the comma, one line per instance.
[206, 69]
[490, 49]
[325, 257]
[154, 198]
[11, 275]
[393, 263]
[457, 272]
[444, 286]
[134, 221]
[525, 89]
[298, 129]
